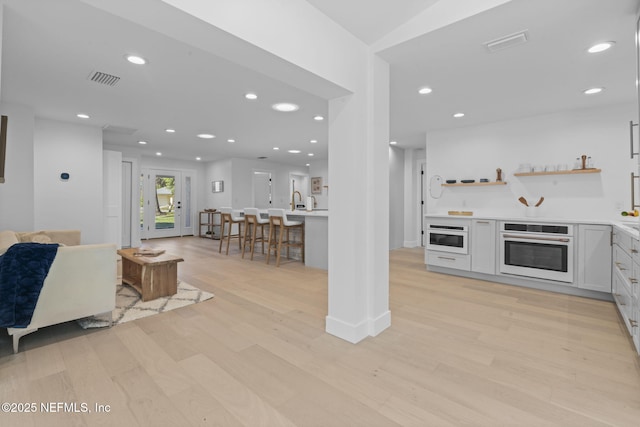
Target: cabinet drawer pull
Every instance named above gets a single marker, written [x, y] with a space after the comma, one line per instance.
[634, 251]
[631, 125]
[633, 323]
[620, 267]
[482, 222]
[633, 280]
[447, 258]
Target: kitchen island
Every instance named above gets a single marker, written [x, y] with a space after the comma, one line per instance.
[316, 230]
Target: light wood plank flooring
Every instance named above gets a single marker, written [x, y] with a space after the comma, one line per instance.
[459, 352]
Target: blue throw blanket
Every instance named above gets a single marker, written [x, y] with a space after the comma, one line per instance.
[23, 269]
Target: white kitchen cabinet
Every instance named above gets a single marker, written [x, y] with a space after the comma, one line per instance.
[625, 277]
[483, 246]
[594, 257]
[448, 260]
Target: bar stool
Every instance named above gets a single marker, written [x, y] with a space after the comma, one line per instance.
[253, 221]
[278, 218]
[229, 217]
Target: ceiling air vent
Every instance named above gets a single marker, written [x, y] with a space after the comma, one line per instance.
[104, 78]
[507, 41]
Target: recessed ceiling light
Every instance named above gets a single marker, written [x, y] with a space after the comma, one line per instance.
[310, 154]
[393, 142]
[206, 136]
[318, 118]
[142, 142]
[135, 59]
[276, 148]
[285, 107]
[425, 90]
[593, 90]
[158, 154]
[231, 141]
[251, 96]
[198, 158]
[170, 130]
[313, 141]
[600, 47]
[82, 116]
[294, 151]
[308, 164]
[458, 115]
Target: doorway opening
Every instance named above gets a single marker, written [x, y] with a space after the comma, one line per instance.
[262, 189]
[166, 203]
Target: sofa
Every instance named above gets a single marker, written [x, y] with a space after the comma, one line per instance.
[81, 281]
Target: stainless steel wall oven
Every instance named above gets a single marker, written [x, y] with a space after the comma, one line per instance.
[543, 251]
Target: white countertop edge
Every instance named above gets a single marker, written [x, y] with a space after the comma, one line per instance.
[621, 224]
[308, 213]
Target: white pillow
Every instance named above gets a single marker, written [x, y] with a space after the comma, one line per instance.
[7, 239]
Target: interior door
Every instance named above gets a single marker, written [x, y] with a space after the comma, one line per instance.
[127, 186]
[262, 189]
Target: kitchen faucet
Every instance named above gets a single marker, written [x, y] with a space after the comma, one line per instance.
[293, 199]
[315, 202]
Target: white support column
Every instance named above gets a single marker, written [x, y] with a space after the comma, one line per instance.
[359, 203]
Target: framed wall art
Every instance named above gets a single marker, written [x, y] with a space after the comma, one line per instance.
[316, 185]
[217, 186]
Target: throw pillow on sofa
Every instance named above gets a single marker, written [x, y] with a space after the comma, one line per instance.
[7, 239]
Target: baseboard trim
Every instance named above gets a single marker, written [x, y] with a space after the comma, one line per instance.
[354, 333]
[380, 323]
[410, 244]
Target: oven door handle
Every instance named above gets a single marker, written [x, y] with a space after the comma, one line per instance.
[549, 239]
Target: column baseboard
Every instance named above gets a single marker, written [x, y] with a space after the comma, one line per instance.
[355, 333]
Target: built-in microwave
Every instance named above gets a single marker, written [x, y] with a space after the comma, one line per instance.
[448, 238]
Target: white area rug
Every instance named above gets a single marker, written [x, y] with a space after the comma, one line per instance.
[129, 306]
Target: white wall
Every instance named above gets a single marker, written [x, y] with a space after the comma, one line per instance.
[16, 194]
[475, 152]
[76, 203]
[237, 175]
[396, 197]
[218, 171]
[413, 159]
[112, 193]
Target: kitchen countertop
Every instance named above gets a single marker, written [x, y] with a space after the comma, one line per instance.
[300, 212]
[628, 226]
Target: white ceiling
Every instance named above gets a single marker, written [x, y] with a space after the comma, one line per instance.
[369, 20]
[546, 74]
[50, 48]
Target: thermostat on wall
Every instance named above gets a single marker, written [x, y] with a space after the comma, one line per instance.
[64, 176]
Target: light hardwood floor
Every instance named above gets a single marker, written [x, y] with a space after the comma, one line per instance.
[458, 352]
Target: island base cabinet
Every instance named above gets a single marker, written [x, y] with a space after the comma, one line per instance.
[594, 257]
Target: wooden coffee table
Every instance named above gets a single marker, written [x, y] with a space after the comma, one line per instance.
[151, 276]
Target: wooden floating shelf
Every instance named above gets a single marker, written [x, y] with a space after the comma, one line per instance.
[470, 184]
[569, 172]
[461, 213]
